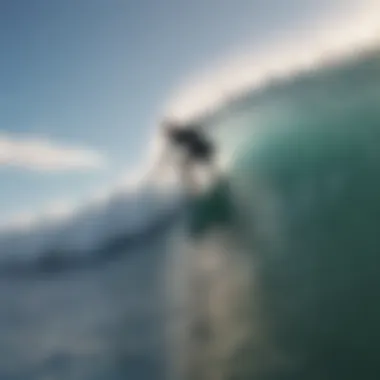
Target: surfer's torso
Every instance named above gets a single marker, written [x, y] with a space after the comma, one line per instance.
[197, 146]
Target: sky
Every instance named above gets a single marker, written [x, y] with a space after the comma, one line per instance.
[84, 82]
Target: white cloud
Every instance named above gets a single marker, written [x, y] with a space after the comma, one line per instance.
[44, 155]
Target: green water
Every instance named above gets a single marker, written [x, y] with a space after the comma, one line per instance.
[213, 209]
[304, 188]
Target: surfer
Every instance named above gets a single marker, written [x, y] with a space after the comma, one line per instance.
[196, 147]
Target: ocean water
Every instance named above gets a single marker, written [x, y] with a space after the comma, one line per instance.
[285, 277]
[97, 322]
[272, 274]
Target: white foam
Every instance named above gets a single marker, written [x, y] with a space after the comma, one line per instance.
[234, 73]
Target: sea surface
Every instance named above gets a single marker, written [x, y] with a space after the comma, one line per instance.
[101, 322]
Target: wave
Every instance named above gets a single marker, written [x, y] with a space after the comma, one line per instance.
[245, 70]
[89, 236]
[96, 233]
[286, 283]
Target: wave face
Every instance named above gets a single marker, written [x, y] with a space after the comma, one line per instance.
[95, 233]
[283, 283]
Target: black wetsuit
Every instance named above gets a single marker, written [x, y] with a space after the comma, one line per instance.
[196, 145]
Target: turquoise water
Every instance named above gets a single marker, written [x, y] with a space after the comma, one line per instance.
[293, 287]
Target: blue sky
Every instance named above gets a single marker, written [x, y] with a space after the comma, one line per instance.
[95, 74]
